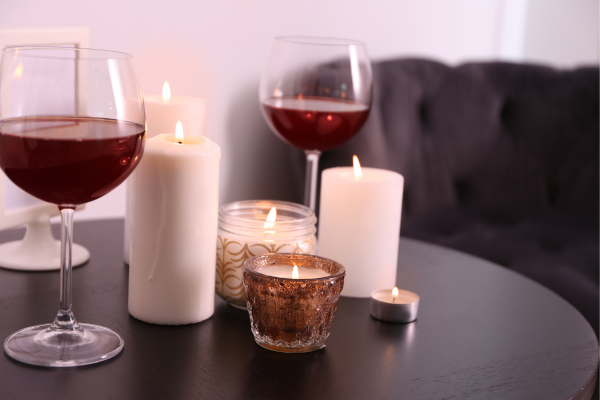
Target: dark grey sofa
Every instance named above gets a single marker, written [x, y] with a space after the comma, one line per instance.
[500, 160]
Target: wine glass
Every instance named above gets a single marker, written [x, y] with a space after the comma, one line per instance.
[316, 94]
[72, 128]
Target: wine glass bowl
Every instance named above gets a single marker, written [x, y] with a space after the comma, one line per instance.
[315, 94]
[72, 128]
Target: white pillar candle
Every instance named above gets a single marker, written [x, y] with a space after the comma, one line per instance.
[162, 114]
[286, 271]
[174, 230]
[360, 226]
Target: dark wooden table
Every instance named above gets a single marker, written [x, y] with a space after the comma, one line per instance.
[483, 332]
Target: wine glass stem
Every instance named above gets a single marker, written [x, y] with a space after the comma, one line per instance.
[310, 186]
[65, 318]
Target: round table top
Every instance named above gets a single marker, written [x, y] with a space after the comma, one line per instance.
[482, 332]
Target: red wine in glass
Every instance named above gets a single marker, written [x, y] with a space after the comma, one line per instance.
[72, 128]
[69, 160]
[315, 94]
[315, 123]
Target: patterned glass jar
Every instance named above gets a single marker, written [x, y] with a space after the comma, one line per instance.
[244, 232]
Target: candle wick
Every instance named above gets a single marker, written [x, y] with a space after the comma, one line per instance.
[179, 142]
[394, 300]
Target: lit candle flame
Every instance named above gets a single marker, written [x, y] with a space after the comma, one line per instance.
[394, 294]
[18, 73]
[295, 274]
[357, 170]
[166, 92]
[271, 218]
[179, 132]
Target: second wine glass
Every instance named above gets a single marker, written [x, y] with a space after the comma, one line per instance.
[315, 94]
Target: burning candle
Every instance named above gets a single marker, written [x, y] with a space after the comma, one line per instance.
[162, 113]
[394, 305]
[290, 308]
[360, 225]
[294, 272]
[174, 229]
[257, 227]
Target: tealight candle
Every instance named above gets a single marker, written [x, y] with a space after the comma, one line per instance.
[394, 305]
[292, 314]
[256, 227]
[174, 230]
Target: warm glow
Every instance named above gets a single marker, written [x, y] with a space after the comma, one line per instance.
[179, 132]
[395, 292]
[166, 92]
[271, 218]
[18, 73]
[357, 170]
[277, 93]
[295, 274]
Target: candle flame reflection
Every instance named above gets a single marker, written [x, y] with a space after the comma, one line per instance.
[357, 169]
[271, 218]
[166, 92]
[295, 274]
[18, 73]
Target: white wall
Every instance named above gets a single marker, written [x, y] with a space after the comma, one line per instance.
[562, 32]
[216, 50]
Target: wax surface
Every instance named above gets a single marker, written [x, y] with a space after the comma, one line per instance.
[174, 231]
[403, 297]
[285, 271]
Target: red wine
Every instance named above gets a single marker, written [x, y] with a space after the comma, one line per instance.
[67, 160]
[315, 123]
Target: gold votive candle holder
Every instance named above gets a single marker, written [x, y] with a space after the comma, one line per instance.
[292, 315]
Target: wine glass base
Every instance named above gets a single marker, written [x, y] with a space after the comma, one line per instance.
[38, 345]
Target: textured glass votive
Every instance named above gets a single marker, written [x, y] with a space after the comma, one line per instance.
[292, 315]
[244, 232]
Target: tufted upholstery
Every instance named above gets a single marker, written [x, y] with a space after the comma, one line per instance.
[500, 160]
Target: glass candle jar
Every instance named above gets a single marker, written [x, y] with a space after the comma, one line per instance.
[244, 232]
[292, 299]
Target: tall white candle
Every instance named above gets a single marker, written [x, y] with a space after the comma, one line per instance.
[174, 231]
[360, 226]
[162, 114]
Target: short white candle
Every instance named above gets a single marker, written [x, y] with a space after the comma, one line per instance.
[286, 271]
[162, 114]
[360, 226]
[174, 230]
